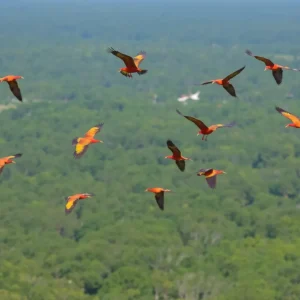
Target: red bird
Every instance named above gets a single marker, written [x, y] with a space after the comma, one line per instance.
[225, 82]
[204, 130]
[13, 85]
[159, 195]
[132, 63]
[276, 69]
[210, 176]
[71, 201]
[179, 159]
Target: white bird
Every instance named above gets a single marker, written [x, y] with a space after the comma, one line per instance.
[195, 96]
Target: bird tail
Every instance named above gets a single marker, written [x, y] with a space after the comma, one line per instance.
[142, 72]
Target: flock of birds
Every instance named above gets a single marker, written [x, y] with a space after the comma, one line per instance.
[132, 65]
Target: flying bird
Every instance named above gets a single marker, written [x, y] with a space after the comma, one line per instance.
[8, 160]
[210, 176]
[225, 82]
[71, 201]
[82, 143]
[204, 130]
[183, 98]
[13, 85]
[132, 63]
[277, 70]
[293, 118]
[159, 195]
[179, 159]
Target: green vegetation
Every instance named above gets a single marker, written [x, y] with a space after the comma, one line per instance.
[240, 241]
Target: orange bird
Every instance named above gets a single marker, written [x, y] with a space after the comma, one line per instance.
[210, 176]
[293, 118]
[71, 201]
[225, 82]
[132, 63]
[204, 130]
[8, 160]
[82, 143]
[13, 85]
[179, 159]
[276, 69]
[159, 195]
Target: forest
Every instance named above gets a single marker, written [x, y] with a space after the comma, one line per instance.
[238, 241]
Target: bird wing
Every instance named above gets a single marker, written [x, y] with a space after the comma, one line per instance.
[267, 61]
[203, 171]
[225, 125]
[92, 132]
[288, 115]
[230, 89]
[206, 82]
[71, 203]
[197, 122]
[128, 60]
[173, 148]
[235, 73]
[80, 148]
[139, 58]
[13, 85]
[14, 156]
[180, 164]
[277, 74]
[159, 197]
[212, 181]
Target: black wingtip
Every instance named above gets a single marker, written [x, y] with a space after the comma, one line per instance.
[18, 155]
[177, 110]
[110, 49]
[249, 52]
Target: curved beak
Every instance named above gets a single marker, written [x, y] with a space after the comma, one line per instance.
[101, 142]
[224, 172]
[286, 126]
[21, 77]
[146, 190]
[198, 134]
[13, 162]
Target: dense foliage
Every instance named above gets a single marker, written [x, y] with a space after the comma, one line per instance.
[240, 241]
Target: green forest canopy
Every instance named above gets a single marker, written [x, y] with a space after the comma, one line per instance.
[240, 241]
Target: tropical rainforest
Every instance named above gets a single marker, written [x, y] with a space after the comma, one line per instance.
[240, 241]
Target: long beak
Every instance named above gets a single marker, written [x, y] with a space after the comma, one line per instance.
[198, 134]
[22, 77]
[146, 190]
[101, 142]
[286, 126]
[224, 172]
[13, 162]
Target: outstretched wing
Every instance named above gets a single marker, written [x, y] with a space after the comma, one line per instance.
[160, 200]
[203, 171]
[277, 74]
[80, 148]
[235, 73]
[71, 203]
[288, 115]
[267, 61]
[230, 89]
[197, 122]
[139, 58]
[13, 85]
[173, 148]
[128, 60]
[225, 125]
[92, 132]
[180, 164]
[206, 82]
[14, 156]
[212, 181]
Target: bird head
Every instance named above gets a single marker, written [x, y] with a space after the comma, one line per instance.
[221, 172]
[10, 161]
[267, 68]
[166, 190]
[147, 190]
[290, 125]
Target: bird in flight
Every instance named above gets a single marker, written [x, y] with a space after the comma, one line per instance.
[71, 201]
[159, 195]
[205, 130]
[179, 159]
[293, 118]
[277, 70]
[132, 63]
[225, 82]
[210, 176]
[13, 85]
[195, 96]
[82, 143]
[8, 160]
